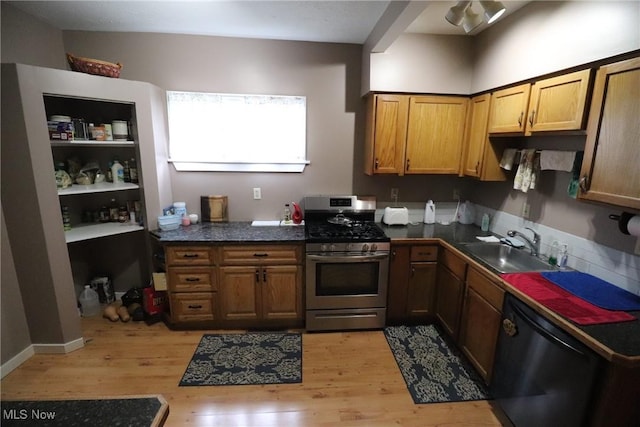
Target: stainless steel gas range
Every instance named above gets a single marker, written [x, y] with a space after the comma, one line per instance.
[347, 264]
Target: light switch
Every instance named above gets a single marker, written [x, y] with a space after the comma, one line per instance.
[257, 193]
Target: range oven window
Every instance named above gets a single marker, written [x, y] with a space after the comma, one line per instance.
[333, 279]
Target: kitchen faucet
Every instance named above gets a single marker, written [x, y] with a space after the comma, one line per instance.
[534, 245]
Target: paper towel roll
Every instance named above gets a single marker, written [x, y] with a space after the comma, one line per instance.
[633, 226]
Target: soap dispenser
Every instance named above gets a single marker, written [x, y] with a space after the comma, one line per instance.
[430, 212]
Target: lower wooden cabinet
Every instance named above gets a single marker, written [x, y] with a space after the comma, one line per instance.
[261, 285]
[192, 306]
[261, 293]
[480, 321]
[449, 291]
[412, 283]
[235, 286]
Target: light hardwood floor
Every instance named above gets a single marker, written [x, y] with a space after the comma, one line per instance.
[349, 379]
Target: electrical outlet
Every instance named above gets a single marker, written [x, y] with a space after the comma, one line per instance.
[526, 210]
[257, 193]
[394, 194]
[456, 194]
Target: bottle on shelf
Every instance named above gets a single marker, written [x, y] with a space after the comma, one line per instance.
[117, 172]
[103, 214]
[564, 256]
[126, 171]
[287, 214]
[89, 302]
[66, 218]
[133, 171]
[114, 211]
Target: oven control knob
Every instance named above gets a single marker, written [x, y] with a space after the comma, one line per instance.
[374, 247]
[365, 247]
[332, 248]
[348, 247]
[324, 247]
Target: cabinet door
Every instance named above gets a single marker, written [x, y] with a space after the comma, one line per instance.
[482, 156]
[386, 133]
[479, 332]
[508, 109]
[421, 290]
[558, 103]
[610, 172]
[399, 270]
[239, 293]
[282, 292]
[449, 293]
[435, 134]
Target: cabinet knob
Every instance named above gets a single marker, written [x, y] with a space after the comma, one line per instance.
[584, 184]
[407, 167]
[520, 118]
[257, 276]
[190, 256]
[192, 279]
[533, 113]
[195, 307]
[376, 164]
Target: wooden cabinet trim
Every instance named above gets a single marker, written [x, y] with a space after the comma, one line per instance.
[453, 262]
[190, 255]
[424, 253]
[261, 254]
[485, 287]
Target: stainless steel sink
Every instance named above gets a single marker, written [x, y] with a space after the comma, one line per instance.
[507, 259]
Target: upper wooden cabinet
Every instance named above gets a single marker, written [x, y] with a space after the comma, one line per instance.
[386, 133]
[482, 156]
[435, 134]
[610, 172]
[559, 103]
[414, 134]
[554, 104]
[509, 109]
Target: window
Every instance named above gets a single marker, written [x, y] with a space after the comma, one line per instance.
[228, 132]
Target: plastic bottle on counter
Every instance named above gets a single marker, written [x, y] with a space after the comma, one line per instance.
[553, 253]
[89, 302]
[564, 256]
[180, 208]
[287, 214]
[485, 222]
[430, 212]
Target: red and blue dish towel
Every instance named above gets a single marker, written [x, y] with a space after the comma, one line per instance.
[581, 297]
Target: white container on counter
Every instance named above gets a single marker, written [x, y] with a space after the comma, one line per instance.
[180, 209]
[430, 212]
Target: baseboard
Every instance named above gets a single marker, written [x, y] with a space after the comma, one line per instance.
[16, 361]
[59, 348]
[26, 354]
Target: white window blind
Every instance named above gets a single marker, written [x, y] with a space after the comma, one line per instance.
[229, 132]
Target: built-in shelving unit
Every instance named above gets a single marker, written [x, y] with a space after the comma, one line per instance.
[100, 187]
[95, 231]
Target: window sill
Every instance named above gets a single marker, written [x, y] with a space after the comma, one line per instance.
[182, 166]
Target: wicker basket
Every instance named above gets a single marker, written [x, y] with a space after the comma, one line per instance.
[94, 66]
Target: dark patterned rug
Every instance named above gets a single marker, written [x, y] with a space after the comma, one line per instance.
[251, 358]
[433, 370]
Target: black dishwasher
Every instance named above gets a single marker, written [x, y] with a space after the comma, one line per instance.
[542, 376]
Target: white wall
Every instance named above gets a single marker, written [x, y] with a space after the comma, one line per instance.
[423, 63]
[545, 37]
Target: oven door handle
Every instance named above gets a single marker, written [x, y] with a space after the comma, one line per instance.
[349, 258]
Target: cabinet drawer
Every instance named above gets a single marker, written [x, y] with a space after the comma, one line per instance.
[189, 255]
[485, 288]
[257, 254]
[424, 253]
[192, 306]
[454, 263]
[192, 279]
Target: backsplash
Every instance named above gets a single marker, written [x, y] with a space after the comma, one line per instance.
[619, 268]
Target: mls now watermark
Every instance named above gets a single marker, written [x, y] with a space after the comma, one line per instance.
[27, 414]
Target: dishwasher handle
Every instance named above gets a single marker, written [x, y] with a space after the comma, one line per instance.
[542, 331]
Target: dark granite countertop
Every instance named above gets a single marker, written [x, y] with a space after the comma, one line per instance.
[231, 232]
[622, 338]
